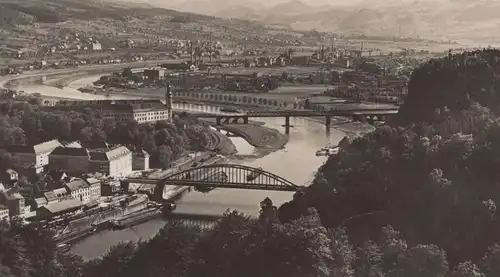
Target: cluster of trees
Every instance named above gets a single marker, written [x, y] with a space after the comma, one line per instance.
[26, 124]
[28, 251]
[453, 83]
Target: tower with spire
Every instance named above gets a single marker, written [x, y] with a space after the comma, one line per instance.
[168, 101]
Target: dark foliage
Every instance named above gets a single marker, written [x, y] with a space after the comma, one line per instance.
[24, 123]
[453, 83]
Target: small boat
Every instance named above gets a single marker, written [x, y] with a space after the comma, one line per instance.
[253, 175]
[328, 151]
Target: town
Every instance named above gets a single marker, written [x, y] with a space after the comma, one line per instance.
[271, 138]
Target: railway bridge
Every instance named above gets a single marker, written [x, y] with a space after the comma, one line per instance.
[208, 177]
[364, 115]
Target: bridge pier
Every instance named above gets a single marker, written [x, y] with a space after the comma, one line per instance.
[287, 125]
[217, 120]
[245, 120]
[328, 124]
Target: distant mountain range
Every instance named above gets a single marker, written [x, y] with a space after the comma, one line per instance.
[438, 19]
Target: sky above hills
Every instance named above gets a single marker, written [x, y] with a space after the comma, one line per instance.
[475, 20]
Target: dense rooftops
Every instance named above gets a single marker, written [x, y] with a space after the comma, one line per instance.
[66, 205]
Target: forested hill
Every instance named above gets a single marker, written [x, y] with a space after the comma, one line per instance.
[436, 179]
[454, 83]
[13, 12]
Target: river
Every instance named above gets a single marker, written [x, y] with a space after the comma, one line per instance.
[296, 163]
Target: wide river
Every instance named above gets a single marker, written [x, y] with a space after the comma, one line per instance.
[296, 163]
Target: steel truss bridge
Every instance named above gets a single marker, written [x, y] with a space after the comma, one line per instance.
[207, 176]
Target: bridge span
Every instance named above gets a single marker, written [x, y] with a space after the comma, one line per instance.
[212, 176]
[364, 115]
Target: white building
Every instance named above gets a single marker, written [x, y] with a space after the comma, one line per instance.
[96, 46]
[4, 213]
[95, 188]
[79, 190]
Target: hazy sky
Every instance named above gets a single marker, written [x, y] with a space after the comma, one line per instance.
[311, 2]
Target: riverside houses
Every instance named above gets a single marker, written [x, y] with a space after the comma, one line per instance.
[37, 156]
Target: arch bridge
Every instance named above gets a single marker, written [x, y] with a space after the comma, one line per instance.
[219, 176]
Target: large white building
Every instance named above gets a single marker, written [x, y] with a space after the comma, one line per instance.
[122, 110]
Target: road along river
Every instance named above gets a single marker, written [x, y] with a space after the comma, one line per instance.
[296, 163]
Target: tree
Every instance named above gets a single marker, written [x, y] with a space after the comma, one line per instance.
[167, 254]
[422, 260]
[490, 263]
[113, 263]
[466, 269]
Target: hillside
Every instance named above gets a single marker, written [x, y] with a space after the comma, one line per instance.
[35, 26]
[451, 19]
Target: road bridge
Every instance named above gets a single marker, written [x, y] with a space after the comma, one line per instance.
[364, 115]
[207, 177]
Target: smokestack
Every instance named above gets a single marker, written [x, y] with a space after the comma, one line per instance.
[191, 50]
[168, 102]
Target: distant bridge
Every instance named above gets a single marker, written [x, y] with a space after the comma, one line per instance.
[365, 115]
[206, 177]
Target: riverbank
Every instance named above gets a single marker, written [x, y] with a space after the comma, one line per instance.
[221, 143]
[261, 137]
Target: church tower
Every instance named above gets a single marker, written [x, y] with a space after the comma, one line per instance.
[168, 101]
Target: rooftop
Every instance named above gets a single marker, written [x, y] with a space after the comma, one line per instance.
[76, 185]
[108, 155]
[46, 147]
[93, 180]
[41, 201]
[60, 192]
[73, 144]
[65, 205]
[50, 196]
[76, 152]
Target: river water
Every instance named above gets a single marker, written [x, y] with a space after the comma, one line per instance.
[296, 163]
